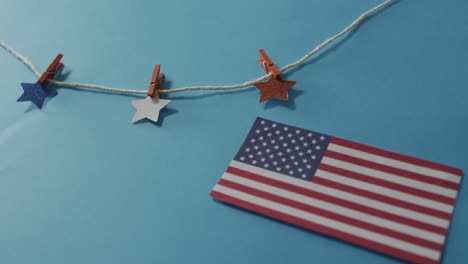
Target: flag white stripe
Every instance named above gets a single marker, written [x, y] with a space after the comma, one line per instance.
[384, 191]
[342, 227]
[368, 218]
[395, 163]
[410, 214]
[390, 177]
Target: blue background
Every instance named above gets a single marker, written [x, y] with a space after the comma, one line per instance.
[80, 184]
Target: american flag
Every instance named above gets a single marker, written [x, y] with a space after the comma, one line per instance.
[388, 202]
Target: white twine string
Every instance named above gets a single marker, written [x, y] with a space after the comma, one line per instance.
[287, 67]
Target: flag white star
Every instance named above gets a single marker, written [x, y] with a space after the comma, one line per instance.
[148, 108]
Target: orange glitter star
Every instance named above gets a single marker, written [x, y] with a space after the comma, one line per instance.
[274, 88]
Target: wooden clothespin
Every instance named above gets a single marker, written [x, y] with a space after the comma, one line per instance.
[268, 65]
[157, 81]
[55, 67]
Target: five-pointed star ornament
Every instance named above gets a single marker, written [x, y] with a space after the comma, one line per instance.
[274, 88]
[148, 108]
[35, 93]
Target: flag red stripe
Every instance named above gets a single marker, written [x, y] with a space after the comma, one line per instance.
[395, 156]
[337, 201]
[392, 170]
[387, 184]
[381, 198]
[332, 215]
[323, 229]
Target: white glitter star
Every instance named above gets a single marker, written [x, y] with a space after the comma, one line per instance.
[242, 158]
[292, 157]
[262, 159]
[274, 125]
[269, 134]
[266, 165]
[261, 138]
[266, 128]
[250, 156]
[309, 167]
[262, 122]
[247, 149]
[288, 150]
[300, 170]
[289, 135]
[276, 147]
[301, 153]
[278, 168]
[285, 144]
[283, 159]
[257, 131]
[305, 144]
[277, 132]
[271, 156]
[309, 135]
[259, 153]
[264, 144]
[322, 138]
[296, 163]
[280, 154]
[255, 147]
[313, 157]
[287, 166]
[309, 151]
[148, 108]
[285, 128]
[293, 141]
[304, 176]
[317, 147]
[291, 172]
[252, 140]
[298, 131]
[254, 162]
[281, 138]
[273, 141]
[297, 148]
[275, 163]
[304, 160]
[301, 138]
[267, 150]
[314, 141]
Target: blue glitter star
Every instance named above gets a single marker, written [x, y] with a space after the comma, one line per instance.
[35, 93]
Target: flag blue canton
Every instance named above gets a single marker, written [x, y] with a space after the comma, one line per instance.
[283, 149]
